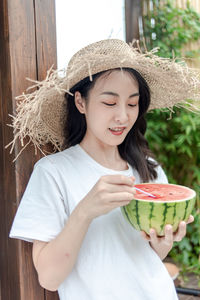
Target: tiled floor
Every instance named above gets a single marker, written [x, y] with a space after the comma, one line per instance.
[192, 283]
[187, 297]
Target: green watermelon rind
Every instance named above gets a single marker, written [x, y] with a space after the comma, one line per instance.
[143, 215]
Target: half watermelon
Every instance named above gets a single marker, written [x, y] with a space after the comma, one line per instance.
[172, 204]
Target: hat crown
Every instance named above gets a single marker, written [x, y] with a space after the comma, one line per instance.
[97, 57]
[107, 47]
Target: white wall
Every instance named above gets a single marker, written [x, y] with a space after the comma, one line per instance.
[81, 22]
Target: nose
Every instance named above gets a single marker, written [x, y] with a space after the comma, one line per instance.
[121, 115]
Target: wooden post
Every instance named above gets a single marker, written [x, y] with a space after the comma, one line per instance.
[132, 15]
[28, 49]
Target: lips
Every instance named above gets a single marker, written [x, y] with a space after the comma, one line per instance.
[117, 130]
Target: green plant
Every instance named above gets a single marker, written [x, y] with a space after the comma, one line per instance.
[170, 28]
[176, 145]
[175, 138]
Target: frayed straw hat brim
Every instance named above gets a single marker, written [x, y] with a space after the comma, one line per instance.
[41, 115]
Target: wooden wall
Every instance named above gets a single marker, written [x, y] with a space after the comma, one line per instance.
[194, 3]
[28, 49]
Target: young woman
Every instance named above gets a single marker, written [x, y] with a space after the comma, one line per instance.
[82, 245]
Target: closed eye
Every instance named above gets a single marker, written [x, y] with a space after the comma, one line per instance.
[132, 105]
[112, 104]
[109, 104]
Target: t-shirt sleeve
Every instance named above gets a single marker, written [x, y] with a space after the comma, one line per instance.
[42, 212]
[162, 178]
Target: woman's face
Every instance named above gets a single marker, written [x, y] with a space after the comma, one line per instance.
[111, 109]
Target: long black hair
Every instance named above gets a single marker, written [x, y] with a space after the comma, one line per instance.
[134, 149]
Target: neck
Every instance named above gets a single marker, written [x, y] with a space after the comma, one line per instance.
[107, 156]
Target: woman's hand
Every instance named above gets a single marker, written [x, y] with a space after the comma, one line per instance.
[109, 192]
[162, 245]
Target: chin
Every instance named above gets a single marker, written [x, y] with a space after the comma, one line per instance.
[115, 143]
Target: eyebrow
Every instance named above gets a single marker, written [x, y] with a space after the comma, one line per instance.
[116, 95]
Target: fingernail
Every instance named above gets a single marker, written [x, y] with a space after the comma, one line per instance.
[168, 227]
[151, 231]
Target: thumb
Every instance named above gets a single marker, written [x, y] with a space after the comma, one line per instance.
[132, 177]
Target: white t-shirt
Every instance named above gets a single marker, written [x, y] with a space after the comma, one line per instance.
[114, 262]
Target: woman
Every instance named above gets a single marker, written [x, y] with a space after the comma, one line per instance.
[82, 245]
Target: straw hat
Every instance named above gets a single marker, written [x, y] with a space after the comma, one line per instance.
[41, 115]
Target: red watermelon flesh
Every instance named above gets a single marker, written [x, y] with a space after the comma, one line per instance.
[162, 192]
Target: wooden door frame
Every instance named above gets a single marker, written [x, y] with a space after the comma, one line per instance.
[28, 49]
[132, 14]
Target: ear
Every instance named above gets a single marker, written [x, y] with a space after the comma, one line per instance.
[79, 102]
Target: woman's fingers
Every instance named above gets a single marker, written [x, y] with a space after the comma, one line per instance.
[190, 220]
[182, 228]
[153, 236]
[162, 245]
[120, 196]
[169, 238]
[145, 236]
[116, 188]
[181, 232]
[118, 179]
